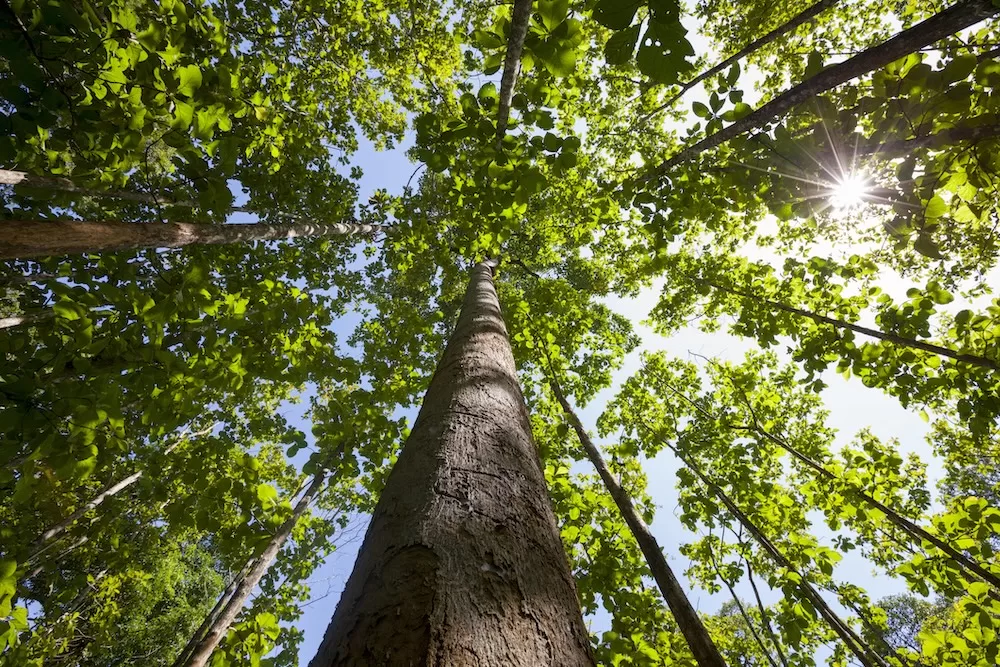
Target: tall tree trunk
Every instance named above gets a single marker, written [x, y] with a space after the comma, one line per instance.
[20, 240]
[462, 564]
[959, 16]
[799, 19]
[213, 616]
[895, 339]
[512, 63]
[698, 639]
[862, 651]
[220, 626]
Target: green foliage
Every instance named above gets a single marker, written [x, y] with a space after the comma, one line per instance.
[144, 458]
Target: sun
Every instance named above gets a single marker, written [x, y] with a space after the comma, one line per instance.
[848, 192]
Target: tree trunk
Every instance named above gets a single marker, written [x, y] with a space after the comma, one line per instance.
[959, 16]
[512, 63]
[799, 19]
[220, 626]
[20, 240]
[213, 616]
[462, 564]
[865, 655]
[26, 319]
[895, 339]
[698, 639]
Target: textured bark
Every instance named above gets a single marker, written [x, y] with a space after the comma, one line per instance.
[220, 626]
[698, 639]
[512, 63]
[462, 564]
[895, 339]
[20, 240]
[799, 19]
[959, 16]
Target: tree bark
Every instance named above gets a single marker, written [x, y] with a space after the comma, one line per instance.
[203, 651]
[799, 19]
[959, 16]
[462, 564]
[20, 240]
[512, 63]
[698, 639]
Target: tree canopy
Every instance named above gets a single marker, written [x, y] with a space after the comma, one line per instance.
[212, 339]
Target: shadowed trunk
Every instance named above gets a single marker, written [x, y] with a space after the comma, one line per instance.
[462, 564]
[698, 639]
[21, 240]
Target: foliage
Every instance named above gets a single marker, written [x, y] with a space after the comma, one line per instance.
[145, 459]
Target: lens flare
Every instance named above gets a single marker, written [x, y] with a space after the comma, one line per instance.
[848, 192]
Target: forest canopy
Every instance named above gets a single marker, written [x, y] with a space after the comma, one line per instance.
[586, 385]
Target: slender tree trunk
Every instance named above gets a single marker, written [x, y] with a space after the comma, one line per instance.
[201, 653]
[799, 19]
[959, 16]
[512, 63]
[865, 655]
[26, 318]
[111, 491]
[895, 339]
[213, 616]
[462, 564]
[20, 240]
[20, 178]
[698, 639]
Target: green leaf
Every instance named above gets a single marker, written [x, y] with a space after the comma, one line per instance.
[616, 14]
[267, 494]
[621, 46]
[188, 80]
[552, 12]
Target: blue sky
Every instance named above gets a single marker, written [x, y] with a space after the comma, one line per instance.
[852, 406]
